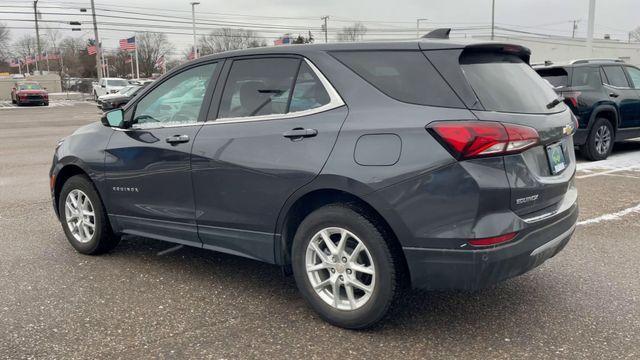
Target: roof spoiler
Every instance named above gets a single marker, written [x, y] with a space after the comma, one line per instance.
[442, 33]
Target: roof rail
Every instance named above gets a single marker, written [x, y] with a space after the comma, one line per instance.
[589, 61]
[442, 33]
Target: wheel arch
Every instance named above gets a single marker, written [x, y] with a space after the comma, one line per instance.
[298, 207]
[65, 173]
[608, 112]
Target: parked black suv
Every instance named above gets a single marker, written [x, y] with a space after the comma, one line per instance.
[605, 97]
[359, 167]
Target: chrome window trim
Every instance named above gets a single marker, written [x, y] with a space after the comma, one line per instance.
[335, 101]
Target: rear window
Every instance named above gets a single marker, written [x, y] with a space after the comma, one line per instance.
[403, 75]
[117, 83]
[505, 83]
[557, 77]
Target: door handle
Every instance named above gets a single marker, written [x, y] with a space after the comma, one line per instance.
[177, 139]
[613, 95]
[299, 133]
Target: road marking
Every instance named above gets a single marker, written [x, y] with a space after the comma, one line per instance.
[170, 250]
[612, 216]
[608, 172]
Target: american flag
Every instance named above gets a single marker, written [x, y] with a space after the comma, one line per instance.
[53, 56]
[128, 44]
[127, 60]
[160, 62]
[191, 55]
[31, 59]
[91, 49]
[14, 62]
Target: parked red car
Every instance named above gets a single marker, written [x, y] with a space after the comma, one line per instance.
[29, 93]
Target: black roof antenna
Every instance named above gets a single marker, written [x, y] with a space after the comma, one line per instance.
[442, 33]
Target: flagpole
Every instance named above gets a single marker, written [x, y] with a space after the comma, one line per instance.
[137, 61]
[131, 61]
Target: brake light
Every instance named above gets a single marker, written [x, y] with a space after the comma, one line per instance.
[493, 240]
[572, 97]
[471, 139]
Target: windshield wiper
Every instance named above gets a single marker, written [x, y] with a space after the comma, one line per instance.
[557, 101]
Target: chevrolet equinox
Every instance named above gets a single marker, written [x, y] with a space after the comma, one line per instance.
[361, 168]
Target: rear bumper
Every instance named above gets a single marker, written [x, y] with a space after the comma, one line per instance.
[445, 269]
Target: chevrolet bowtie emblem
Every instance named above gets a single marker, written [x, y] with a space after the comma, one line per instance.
[568, 130]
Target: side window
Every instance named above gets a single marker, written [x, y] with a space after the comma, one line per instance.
[586, 76]
[634, 74]
[403, 75]
[258, 87]
[616, 76]
[176, 101]
[308, 91]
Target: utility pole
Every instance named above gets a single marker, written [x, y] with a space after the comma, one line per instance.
[418, 27]
[575, 27]
[97, 39]
[326, 37]
[592, 19]
[493, 18]
[35, 13]
[193, 18]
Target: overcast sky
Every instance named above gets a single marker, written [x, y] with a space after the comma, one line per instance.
[616, 17]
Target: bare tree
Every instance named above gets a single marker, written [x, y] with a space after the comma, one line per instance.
[354, 32]
[4, 41]
[74, 58]
[26, 46]
[226, 39]
[635, 34]
[151, 46]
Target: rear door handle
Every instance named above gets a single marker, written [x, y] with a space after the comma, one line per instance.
[177, 139]
[299, 133]
[613, 95]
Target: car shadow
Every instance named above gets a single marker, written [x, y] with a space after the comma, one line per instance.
[621, 147]
[421, 311]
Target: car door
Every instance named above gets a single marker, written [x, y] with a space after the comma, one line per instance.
[271, 129]
[147, 165]
[634, 77]
[620, 91]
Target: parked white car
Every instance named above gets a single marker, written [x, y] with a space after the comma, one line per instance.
[108, 86]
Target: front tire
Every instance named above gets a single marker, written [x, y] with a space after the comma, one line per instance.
[344, 267]
[83, 217]
[599, 142]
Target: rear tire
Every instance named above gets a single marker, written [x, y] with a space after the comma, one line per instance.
[599, 142]
[371, 273]
[83, 217]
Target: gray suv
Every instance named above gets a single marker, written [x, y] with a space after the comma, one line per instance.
[361, 168]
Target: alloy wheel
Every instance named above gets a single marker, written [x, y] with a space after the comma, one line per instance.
[603, 139]
[340, 268]
[80, 216]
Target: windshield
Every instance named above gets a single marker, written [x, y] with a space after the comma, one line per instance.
[29, 87]
[124, 90]
[130, 90]
[505, 83]
[117, 82]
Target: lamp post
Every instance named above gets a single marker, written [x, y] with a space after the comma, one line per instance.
[418, 26]
[193, 18]
[35, 13]
[493, 18]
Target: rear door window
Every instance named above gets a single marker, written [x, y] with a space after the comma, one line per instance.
[616, 76]
[557, 77]
[505, 83]
[406, 76]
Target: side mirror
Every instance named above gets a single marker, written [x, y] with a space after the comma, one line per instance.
[103, 85]
[113, 118]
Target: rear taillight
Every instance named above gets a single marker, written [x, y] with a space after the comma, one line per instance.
[471, 139]
[491, 241]
[572, 97]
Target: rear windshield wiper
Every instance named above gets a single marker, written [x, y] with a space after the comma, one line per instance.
[555, 102]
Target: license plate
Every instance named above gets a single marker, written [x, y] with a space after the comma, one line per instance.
[557, 161]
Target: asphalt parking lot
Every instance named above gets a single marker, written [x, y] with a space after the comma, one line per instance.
[143, 301]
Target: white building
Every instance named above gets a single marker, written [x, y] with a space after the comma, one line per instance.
[559, 49]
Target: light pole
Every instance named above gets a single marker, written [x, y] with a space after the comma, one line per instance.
[418, 26]
[590, 26]
[193, 17]
[326, 36]
[97, 40]
[35, 13]
[493, 18]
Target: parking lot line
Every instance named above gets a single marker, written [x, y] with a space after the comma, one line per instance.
[611, 216]
[633, 167]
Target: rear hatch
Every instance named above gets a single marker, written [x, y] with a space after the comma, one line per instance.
[502, 87]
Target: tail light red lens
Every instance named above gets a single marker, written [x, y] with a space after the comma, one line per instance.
[490, 241]
[472, 139]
